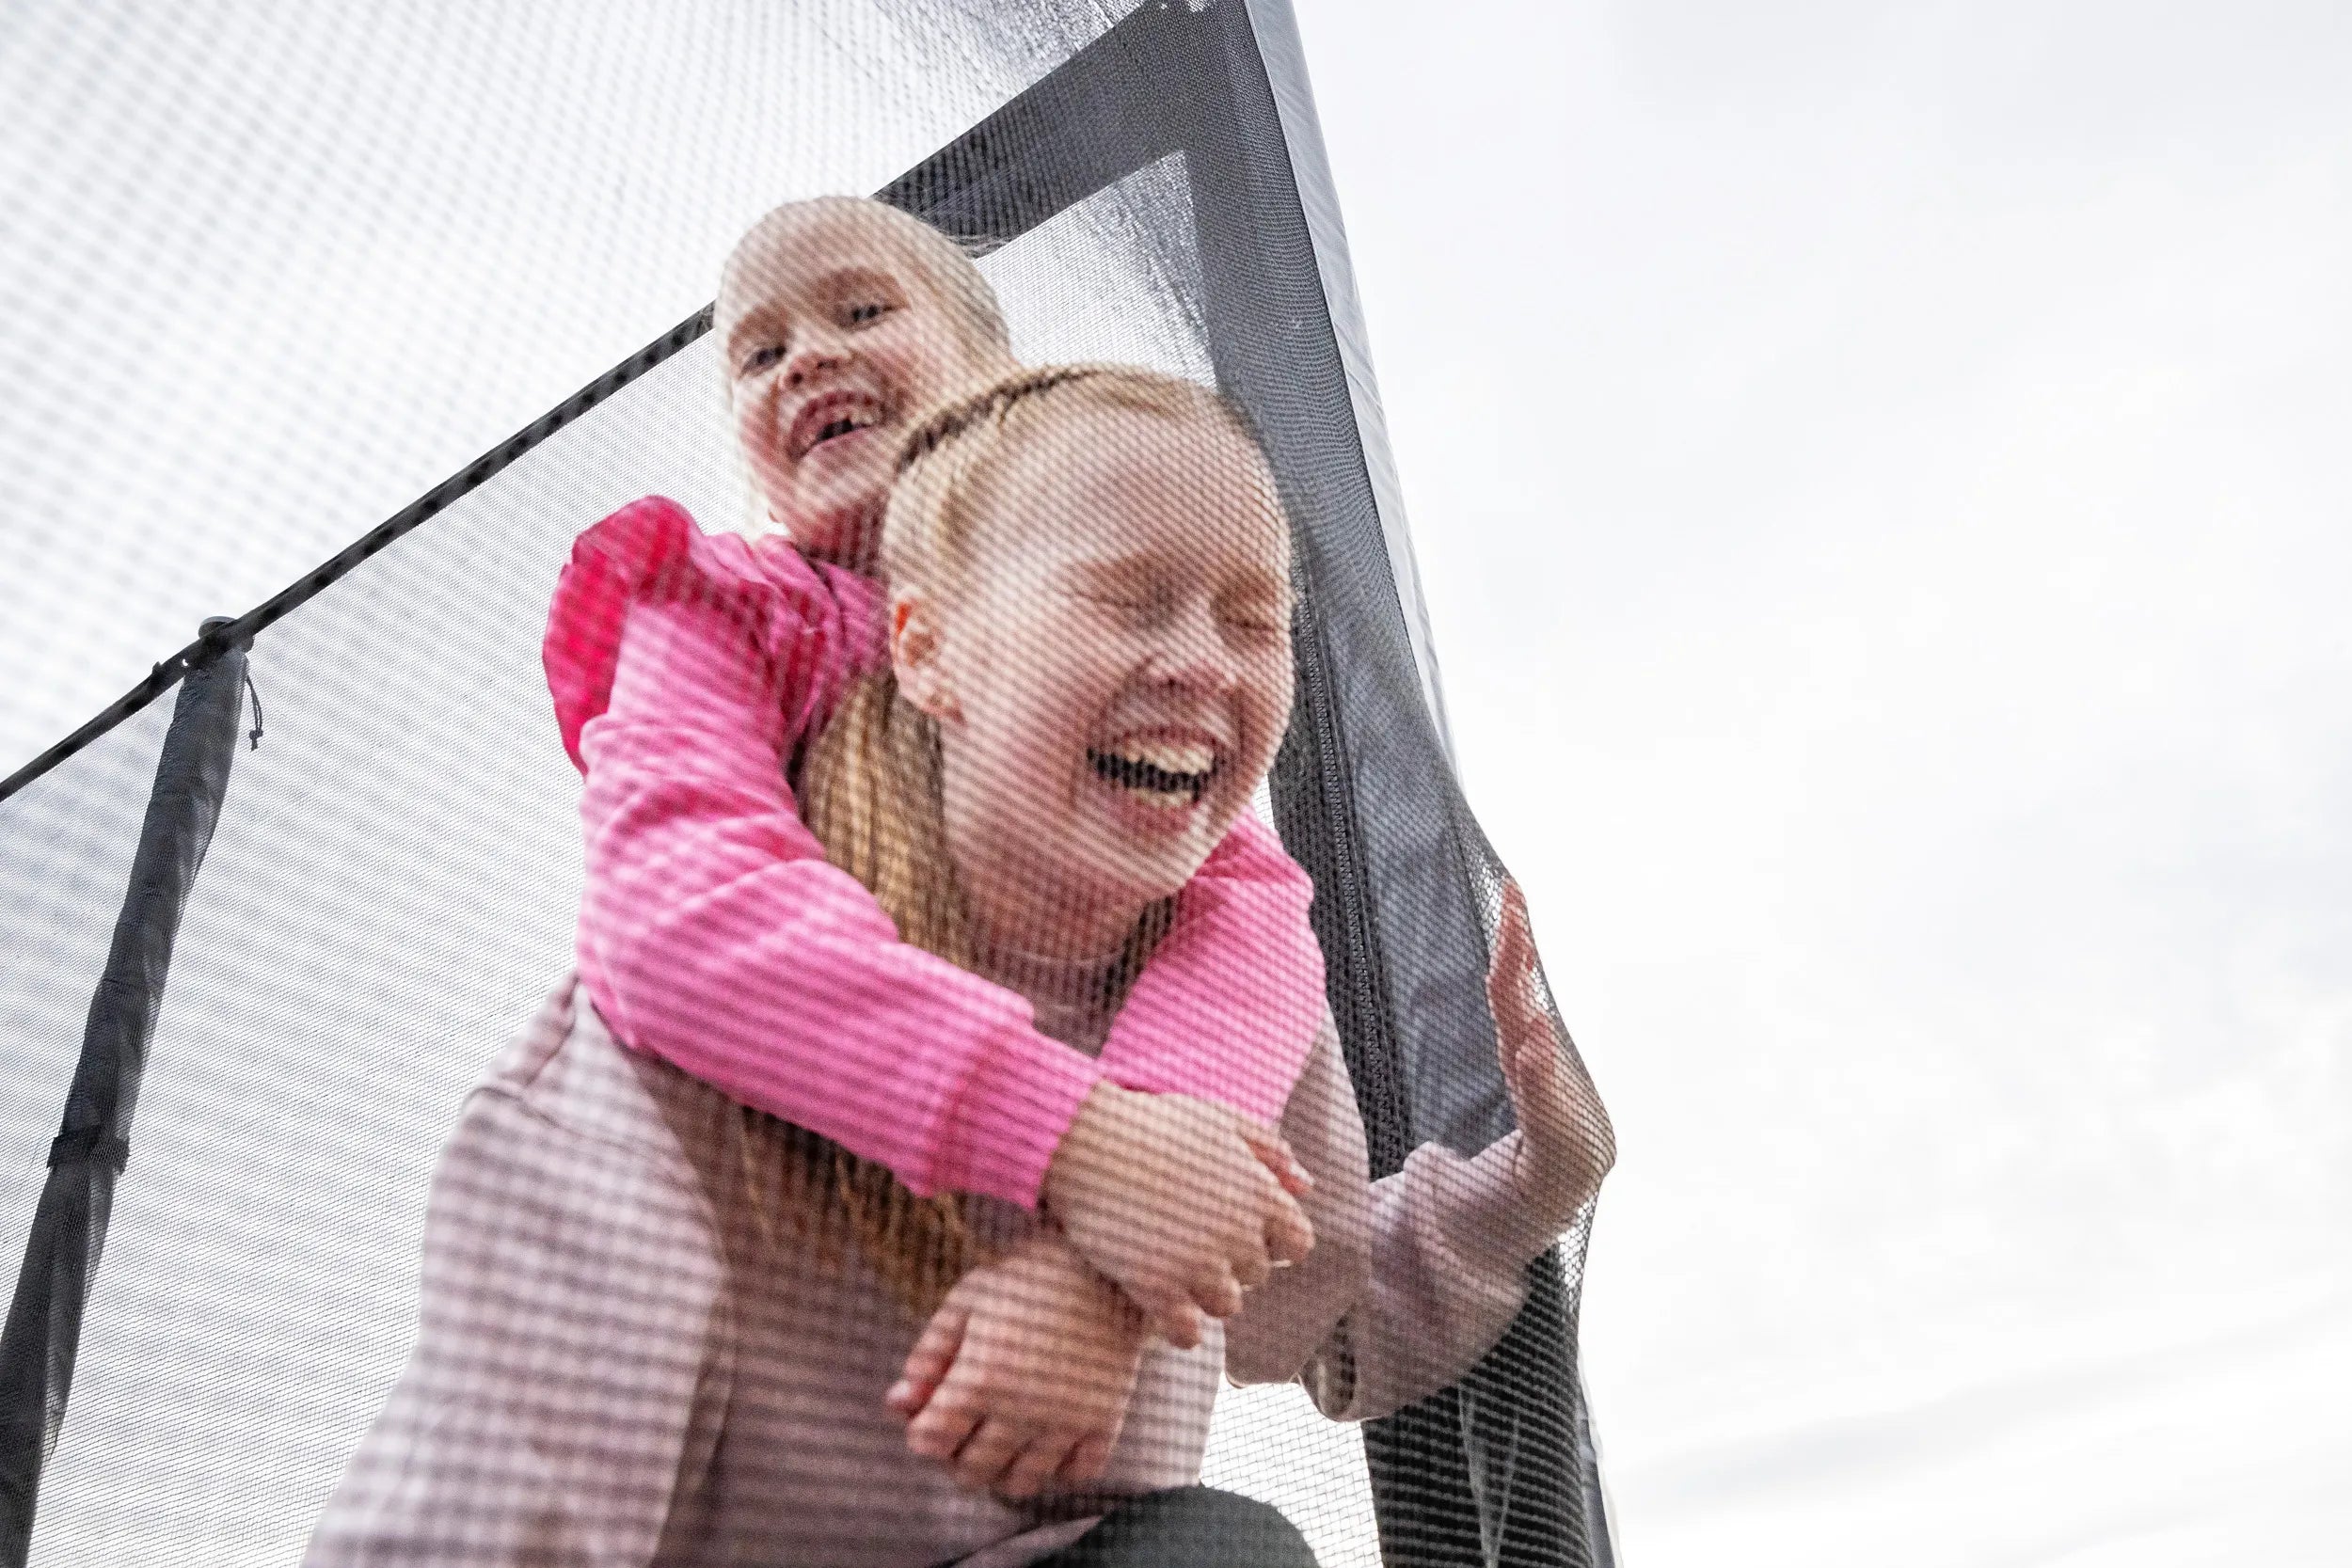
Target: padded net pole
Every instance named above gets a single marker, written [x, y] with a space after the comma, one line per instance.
[44, 1327]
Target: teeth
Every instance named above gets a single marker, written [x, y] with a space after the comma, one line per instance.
[1166, 797]
[1170, 756]
[843, 421]
[1143, 769]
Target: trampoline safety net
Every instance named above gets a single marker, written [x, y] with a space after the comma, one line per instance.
[1013, 777]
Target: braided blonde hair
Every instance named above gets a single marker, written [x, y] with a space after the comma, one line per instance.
[870, 790]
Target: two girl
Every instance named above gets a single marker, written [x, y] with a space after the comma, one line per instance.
[659, 1328]
[689, 673]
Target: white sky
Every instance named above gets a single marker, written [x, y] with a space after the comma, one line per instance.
[1878, 480]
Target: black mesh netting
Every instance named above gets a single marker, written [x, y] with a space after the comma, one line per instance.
[392, 886]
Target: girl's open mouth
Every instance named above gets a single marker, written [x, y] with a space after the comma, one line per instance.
[1160, 774]
[829, 419]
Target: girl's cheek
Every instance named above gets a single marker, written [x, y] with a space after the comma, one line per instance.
[752, 427]
[918, 364]
[1270, 689]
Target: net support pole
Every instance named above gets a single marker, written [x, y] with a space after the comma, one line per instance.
[44, 1326]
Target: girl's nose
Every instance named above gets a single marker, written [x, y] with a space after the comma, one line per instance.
[1194, 652]
[816, 354]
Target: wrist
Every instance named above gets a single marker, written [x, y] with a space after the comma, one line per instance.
[1019, 1096]
[1075, 1157]
[1552, 1183]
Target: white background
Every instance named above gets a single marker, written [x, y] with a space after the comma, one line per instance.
[1878, 480]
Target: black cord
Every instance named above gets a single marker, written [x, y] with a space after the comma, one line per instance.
[254, 737]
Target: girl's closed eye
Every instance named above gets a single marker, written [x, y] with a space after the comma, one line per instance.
[1138, 605]
[1257, 620]
[864, 312]
[1255, 609]
[761, 356]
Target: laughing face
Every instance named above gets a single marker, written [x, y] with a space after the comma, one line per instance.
[1114, 675]
[838, 332]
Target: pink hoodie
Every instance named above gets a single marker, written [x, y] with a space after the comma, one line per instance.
[689, 673]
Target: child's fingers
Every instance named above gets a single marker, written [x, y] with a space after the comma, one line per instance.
[1519, 937]
[943, 1425]
[1219, 1295]
[1536, 1068]
[1034, 1467]
[979, 1465]
[1530, 1068]
[1177, 1321]
[908, 1398]
[1524, 1034]
[1087, 1460]
[1276, 1155]
[928, 1363]
[1288, 1235]
[1512, 970]
[1254, 1270]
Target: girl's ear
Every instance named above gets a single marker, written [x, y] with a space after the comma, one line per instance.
[915, 656]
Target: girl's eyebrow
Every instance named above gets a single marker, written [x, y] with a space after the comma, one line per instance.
[857, 277]
[1108, 571]
[760, 318]
[1142, 566]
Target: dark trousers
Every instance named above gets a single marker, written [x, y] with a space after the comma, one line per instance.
[1191, 1527]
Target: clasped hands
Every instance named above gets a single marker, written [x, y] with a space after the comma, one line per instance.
[1163, 1211]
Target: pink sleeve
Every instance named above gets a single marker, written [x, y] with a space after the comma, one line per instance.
[1228, 1005]
[713, 933]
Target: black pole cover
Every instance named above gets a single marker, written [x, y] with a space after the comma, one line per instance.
[69, 1231]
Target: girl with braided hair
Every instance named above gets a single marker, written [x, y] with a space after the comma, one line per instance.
[659, 1329]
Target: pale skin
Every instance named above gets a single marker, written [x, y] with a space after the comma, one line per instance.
[1167, 610]
[1020, 1381]
[1566, 1142]
[837, 333]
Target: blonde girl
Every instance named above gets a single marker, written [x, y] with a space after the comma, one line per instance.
[622, 1360]
[689, 672]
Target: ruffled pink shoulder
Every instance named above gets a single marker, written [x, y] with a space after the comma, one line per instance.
[818, 619]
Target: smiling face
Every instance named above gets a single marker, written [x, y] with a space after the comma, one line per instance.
[840, 321]
[1111, 671]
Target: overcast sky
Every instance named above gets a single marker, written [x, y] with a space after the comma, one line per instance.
[1878, 473]
[1879, 481]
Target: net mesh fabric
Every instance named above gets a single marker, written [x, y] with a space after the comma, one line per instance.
[394, 880]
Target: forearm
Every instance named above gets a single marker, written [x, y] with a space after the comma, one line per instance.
[1413, 1278]
[710, 938]
[1451, 1242]
[714, 934]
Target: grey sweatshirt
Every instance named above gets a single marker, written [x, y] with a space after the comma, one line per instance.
[619, 1363]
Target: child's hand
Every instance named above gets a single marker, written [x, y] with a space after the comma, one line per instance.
[1182, 1204]
[1565, 1143]
[1022, 1378]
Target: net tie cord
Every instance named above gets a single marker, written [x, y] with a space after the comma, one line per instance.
[89, 1142]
